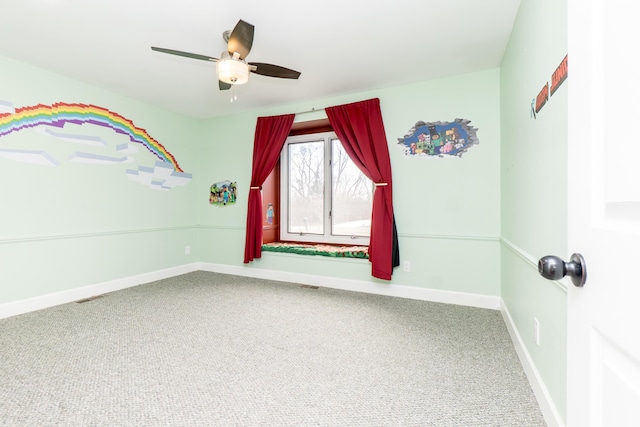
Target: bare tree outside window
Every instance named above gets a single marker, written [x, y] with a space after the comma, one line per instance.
[306, 187]
[352, 195]
[328, 199]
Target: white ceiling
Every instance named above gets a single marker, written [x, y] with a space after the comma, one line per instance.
[339, 46]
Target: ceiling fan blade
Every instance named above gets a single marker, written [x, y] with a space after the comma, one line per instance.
[186, 54]
[274, 70]
[223, 86]
[241, 39]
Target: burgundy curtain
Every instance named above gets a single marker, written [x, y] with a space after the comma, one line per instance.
[361, 131]
[271, 133]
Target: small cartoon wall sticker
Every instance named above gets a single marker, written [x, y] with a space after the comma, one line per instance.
[223, 193]
[557, 78]
[269, 214]
[431, 139]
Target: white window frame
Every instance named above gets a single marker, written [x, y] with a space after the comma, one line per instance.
[327, 237]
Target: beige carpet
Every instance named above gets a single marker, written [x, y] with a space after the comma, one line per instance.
[207, 349]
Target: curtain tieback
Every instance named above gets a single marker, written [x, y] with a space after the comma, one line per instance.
[258, 188]
[380, 184]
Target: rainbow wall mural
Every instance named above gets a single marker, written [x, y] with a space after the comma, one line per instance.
[165, 174]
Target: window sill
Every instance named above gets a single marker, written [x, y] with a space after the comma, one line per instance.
[318, 249]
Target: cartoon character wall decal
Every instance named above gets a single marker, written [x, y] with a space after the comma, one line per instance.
[270, 214]
[437, 139]
[223, 193]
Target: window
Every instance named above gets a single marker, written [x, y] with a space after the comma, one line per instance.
[324, 196]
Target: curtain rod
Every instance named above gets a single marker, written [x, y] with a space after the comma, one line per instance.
[313, 110]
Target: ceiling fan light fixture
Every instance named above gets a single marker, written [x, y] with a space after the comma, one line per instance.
[233, 71]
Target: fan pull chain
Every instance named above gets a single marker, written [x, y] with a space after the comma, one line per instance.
[234, 97]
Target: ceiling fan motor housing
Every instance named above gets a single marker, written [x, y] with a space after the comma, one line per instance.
[232, 70]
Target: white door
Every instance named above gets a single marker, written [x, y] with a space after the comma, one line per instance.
[604, 212]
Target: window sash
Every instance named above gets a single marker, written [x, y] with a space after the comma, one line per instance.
[326, 236]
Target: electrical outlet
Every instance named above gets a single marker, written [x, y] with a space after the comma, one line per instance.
[536, 330]
[406, 266]
[187, 250]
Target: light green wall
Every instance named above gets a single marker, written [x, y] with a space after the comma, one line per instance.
[80, 224]
[534, 186]
[447, 209]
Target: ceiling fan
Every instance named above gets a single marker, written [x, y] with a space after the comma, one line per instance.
[232, 67]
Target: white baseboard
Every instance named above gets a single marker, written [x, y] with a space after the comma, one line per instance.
[401, 291]
[45, 301]
[549, 410]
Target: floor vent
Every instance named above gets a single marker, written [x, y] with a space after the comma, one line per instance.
[81, 301]
[310, 287]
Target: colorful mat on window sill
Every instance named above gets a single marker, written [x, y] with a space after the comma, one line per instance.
[317, 249]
